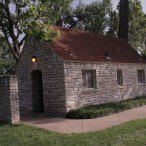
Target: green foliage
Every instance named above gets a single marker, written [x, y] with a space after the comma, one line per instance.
[7, 61]
[94, 111]
[30, 17]
[97, 20]
[113, 24]
[137, 24]
[40, 15]
[101, 18]
[92, 17]
[129, 134]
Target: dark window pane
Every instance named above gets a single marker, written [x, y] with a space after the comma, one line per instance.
[88, 78]
[119, 77]
[141, 76]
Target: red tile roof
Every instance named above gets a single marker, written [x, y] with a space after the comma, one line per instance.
[76, 45]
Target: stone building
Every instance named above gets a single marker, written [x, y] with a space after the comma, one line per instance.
[79, 68]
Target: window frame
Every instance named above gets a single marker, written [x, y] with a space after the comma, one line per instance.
[120, 81]
[94, 78]
[141, 76]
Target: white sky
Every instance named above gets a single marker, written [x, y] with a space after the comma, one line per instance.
[114, 2]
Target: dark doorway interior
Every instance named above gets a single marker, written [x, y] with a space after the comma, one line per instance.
[37, 91]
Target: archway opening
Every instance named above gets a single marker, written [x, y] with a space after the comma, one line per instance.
[37, 91]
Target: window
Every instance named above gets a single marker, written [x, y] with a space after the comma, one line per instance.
[141, 76]
[89, 78]
[119, 77]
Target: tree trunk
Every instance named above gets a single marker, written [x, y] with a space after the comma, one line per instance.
[124, 19]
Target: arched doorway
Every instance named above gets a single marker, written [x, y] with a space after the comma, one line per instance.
[37, 91]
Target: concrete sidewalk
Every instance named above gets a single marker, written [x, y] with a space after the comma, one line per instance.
[63, 125]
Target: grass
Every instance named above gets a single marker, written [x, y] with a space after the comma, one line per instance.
[94, 111]
[128, 134]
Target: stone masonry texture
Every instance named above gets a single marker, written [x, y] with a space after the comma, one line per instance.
[62, 80]
[106, 89]
[52, 78]
[9, 100]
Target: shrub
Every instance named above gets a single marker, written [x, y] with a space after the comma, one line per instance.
[94, 111]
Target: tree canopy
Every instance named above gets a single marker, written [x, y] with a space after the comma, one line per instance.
[7, 60]
[137, 24]
[19, 18]
[100, 17]
[92, 17]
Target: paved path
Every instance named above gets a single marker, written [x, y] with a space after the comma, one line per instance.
[63, 125]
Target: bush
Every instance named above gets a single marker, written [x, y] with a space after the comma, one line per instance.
[94, 111]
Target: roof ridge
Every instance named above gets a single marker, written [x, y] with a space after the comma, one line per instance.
[87, 31]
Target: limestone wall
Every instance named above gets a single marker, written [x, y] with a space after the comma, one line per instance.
[9, 100]
[52, 78]
[106, 89]
[62, 80]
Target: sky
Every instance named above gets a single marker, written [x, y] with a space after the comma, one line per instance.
[114, 2]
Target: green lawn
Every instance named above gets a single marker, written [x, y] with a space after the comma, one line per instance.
[129, 134]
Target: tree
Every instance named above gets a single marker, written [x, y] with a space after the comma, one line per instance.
[137, 24]
[113, 24]
[92, 17]
[98, 17]
[124, 19]
[74, 17]
[29, 17]
[7, 60]
[143, 36]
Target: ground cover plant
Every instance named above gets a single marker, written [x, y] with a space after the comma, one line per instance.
[95, 111]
